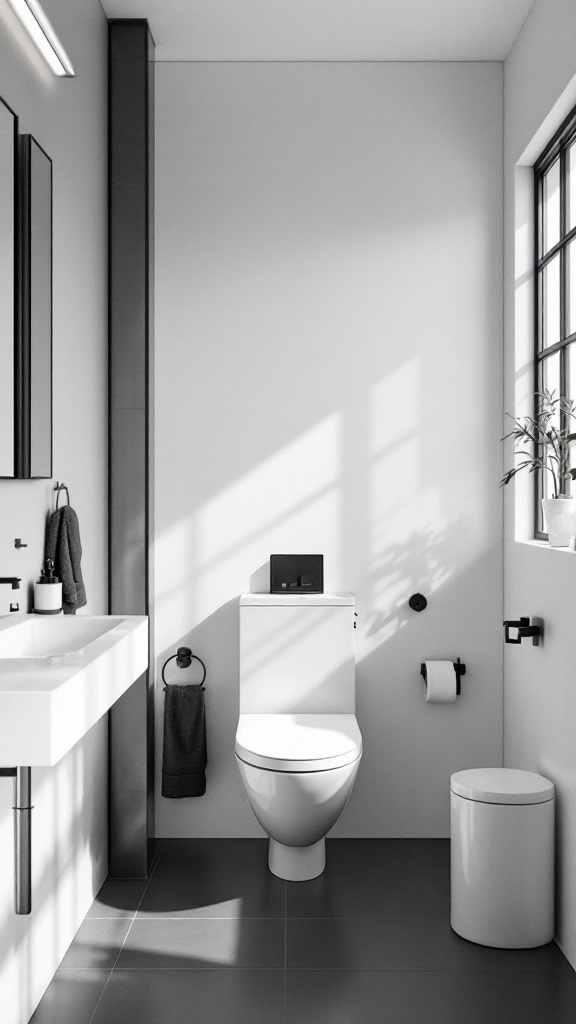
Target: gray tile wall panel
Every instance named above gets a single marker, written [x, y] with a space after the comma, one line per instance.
[131, 134]
[151, 428]
[128, 489]
[128, 154]
[129, 809]
[128, 92]
[128, 298]
[128, 41]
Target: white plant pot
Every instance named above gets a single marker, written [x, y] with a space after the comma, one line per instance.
[559, 520]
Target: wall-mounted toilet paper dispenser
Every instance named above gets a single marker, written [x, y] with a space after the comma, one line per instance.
[442, 688]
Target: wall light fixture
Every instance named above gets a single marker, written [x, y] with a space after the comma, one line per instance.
[43, 35]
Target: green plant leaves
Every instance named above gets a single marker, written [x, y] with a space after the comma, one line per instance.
[550, 443]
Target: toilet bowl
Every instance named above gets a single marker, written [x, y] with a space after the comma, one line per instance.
[298, 772]
[298, 745]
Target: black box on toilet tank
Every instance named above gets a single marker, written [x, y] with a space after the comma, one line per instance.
[296, 574]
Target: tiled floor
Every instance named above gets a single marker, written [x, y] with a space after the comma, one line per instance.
[213, 937]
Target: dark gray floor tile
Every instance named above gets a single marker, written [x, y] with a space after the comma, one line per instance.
[557, 992]
[71, 997]
[213, 878]
[411, 997]
[360, 894]
[118, 897]
[366, 878]
[401, 944]
[159, 845]
[97, 943]
[200, 942]
[204, 997]
[368, 941]
[395, 861]
[435, 859]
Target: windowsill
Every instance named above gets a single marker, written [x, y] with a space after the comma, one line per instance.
[543, 544]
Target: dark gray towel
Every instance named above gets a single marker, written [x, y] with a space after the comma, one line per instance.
[184, 756]
[64, 548]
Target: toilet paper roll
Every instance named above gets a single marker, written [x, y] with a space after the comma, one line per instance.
[440, 682]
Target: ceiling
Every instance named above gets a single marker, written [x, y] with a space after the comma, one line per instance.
[328, 29]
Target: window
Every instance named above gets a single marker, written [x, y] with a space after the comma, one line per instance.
[555, 275]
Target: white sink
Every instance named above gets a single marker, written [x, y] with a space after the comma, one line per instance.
[38, 636]
[59, 675]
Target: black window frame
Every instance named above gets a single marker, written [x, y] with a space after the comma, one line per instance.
[556, 148]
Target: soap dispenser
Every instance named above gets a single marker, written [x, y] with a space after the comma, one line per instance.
[48, 591]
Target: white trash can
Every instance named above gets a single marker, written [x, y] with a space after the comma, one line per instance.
[502, 857]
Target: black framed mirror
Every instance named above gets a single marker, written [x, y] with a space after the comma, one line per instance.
[34, 360]
[8, 256]
[25, 303]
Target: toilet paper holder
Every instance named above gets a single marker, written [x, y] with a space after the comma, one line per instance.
[459, 668]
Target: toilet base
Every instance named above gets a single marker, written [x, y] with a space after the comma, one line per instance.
[296, 863]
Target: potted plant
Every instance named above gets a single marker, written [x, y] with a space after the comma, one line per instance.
[544, 444]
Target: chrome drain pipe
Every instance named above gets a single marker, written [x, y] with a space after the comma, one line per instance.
[22, 837]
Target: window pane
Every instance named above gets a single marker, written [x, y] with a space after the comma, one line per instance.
[571, 185]
[552, 206]
[551, 374]
[550, 378]
[551, 302]
[571, 290]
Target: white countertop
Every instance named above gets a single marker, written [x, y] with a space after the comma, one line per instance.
[47, 704]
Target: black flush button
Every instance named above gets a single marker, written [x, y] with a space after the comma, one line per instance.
[296, 574]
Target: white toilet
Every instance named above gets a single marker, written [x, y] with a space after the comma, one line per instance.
[298, 745]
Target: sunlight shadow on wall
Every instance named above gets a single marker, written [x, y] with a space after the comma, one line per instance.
[289, 501]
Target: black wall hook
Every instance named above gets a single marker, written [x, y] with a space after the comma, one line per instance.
[418, 602]
[58, 487]
[184, 657]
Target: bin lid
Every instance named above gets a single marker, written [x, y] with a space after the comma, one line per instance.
[502, 786]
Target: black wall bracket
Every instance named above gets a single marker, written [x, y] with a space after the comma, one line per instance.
[532, 627]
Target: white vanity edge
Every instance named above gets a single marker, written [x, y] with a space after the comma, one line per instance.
[70, 695]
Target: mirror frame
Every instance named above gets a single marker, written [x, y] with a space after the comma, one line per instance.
[9, 419]
[34, 391]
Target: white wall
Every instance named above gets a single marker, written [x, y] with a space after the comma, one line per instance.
[328, 339]
[68, 118]
[540, 695]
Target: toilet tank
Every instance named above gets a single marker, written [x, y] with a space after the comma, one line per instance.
[297, 654]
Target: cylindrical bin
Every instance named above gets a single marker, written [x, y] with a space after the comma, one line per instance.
[502, 857]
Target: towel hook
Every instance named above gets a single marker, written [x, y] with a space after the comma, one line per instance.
[184, 658]
[58, 488]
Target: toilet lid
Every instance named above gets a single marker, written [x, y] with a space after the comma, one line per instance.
[298, 743]
[502, 786]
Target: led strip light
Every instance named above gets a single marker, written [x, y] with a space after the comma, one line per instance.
[43, 35]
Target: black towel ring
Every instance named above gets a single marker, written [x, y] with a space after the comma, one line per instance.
[184, 657]
[59, 488]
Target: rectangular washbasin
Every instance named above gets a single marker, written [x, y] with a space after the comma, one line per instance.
[59, 675]
[39, 636]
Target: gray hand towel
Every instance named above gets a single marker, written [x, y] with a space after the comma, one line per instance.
[184, 755]
[64, 548]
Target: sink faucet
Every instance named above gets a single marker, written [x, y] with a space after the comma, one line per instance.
[14, 580]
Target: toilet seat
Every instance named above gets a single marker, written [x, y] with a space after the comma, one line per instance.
[298, 743]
